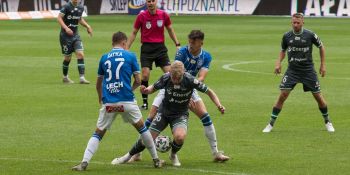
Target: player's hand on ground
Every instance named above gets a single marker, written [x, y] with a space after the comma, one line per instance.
[323, 70]
[89, 31]
[221, 109]
[69, 32]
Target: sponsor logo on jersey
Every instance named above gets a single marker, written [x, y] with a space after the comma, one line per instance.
[200, 63]
[114, 87]
[73, 17]
[148, 24]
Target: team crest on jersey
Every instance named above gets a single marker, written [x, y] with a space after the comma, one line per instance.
[148, 24]
[200, 63]
[160, 23]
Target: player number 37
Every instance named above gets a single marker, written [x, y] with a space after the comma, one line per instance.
[109, 71]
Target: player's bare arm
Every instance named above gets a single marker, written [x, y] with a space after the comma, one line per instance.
[99, 88]
[86, 25]
[132, 38]
[323, 62]
[137, 81]
[172, 35]
[216, 100]
[147, 90]
[278, 63]
[202, 74]
[63, 25]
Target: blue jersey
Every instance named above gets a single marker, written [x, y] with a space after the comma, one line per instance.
[193, 63]
[117, 67]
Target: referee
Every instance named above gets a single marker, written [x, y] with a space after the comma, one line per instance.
[152, 23]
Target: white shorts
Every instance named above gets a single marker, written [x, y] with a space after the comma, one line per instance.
[160, 96]
[129, 111]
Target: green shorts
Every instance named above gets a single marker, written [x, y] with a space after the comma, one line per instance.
[70, 44]
[175, 121]
[308, 79]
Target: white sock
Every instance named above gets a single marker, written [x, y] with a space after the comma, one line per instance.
[211, 136]
[149, 143]
[91, 148]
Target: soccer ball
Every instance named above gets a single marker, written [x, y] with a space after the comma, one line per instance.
[162, 143]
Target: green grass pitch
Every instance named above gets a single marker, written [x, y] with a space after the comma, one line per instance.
[45, 125]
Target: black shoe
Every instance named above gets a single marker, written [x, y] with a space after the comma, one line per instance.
[158, 163]
[144, 106]
[80, 167]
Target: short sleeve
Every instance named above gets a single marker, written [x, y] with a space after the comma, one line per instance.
[316, 40]
[167, 19]
[138, 22]
[284, 44]
[135, 64]
[160, 84]
[63, 10]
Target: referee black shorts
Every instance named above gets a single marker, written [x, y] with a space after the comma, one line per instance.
[154, 52]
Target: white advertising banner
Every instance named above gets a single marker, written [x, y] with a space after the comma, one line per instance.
[328, 8]
[114, 6]
[244, 7]
[9, 5]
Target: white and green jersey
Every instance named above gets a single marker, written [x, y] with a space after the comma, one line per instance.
[72, 15]
[299, 48]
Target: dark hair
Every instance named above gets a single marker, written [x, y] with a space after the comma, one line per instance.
[298, 15]
[118, 37]
[196, 34]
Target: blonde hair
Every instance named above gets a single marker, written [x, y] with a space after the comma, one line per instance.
[298, 15]
[177, 69]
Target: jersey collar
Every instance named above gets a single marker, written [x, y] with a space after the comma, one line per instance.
[299, 33]
[194, 56]
[117, 48]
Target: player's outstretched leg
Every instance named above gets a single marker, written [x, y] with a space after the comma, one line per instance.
[210, 133]
[90, 150]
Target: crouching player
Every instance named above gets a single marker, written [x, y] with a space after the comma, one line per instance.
[178, 87]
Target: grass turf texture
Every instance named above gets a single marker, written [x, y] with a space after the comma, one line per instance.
[46, 124]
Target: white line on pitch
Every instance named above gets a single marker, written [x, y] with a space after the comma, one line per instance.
[230, 67]
[105, 163]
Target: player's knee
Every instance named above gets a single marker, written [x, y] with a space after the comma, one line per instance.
[80, 55]
[179, 137]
